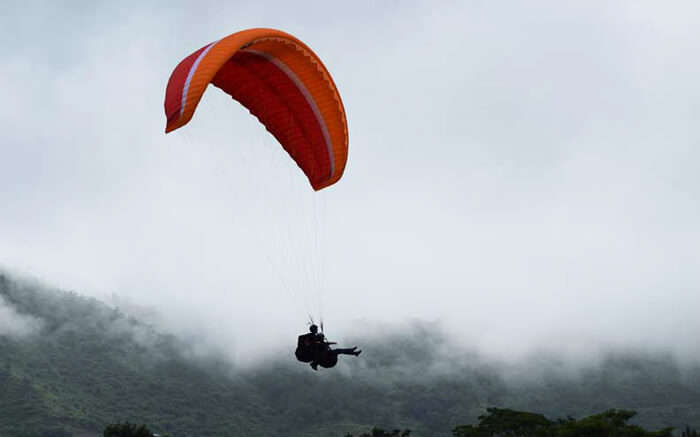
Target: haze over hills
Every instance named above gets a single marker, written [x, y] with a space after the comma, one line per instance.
[69, 365]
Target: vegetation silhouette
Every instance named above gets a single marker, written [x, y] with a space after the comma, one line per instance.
[500, 422]
[378, 432]
[688, 432]
[126, 430]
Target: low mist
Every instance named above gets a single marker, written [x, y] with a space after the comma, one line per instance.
[14, 325]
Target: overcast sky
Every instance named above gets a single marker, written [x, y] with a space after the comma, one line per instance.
[524, 173]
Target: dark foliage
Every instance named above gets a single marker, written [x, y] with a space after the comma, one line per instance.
[688, 432]
[509, 423]
[126, 430]
[378, 432]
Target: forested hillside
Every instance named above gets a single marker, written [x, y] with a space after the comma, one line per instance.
[76, 364]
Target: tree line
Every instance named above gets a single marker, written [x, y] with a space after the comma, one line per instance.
[499, 422]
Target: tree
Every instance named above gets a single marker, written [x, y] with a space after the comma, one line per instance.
[126, 430]
[689, 432]
[509, 423]
[506, 423]
[378, 432]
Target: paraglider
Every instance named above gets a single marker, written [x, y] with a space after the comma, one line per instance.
[283, 83]
[313, 348]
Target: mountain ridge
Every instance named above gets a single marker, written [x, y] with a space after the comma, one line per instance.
[84, 364]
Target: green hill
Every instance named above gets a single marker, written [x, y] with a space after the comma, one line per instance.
[81, 364]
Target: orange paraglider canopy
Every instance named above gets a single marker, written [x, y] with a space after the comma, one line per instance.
[283, 83]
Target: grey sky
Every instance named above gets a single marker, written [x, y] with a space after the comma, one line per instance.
[526, 173]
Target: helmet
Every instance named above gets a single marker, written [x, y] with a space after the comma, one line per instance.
[313, 328]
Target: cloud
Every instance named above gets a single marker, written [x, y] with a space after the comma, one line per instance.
[16, 325]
